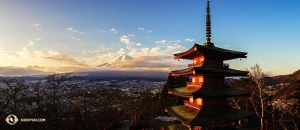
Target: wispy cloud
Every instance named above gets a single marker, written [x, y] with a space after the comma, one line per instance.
[37, 26]
[31, 42]
[113, 30]
[19, 71]
[75, 31]
[149, 63]
[161, 42]
[140, 28]
[138, 44]
[189, 40]
[77, 39]
[50, 56]
[62, 58]
[101, 31]
[143, 29]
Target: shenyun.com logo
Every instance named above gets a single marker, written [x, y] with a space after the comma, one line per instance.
[11, 119]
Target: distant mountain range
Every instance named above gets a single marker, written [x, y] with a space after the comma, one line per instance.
[118, 60]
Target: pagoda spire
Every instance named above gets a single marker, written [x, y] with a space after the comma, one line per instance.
[208, 27]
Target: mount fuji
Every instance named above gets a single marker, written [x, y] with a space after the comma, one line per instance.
[118, 60]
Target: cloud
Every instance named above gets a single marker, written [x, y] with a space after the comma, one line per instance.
[54, 56]
[62, 58]
[126, 40]
[37, 26]
[143, 29]
[40, 70]
[39, 29]
[113, 30]
[19, 71]
[161, 42]
[77, 39]
[30, 43]
[148, 63]
[138, 44]
[140, 28]
[189, 40]
[176, 41]
[37, 39]
[101, 31]
[75, 31]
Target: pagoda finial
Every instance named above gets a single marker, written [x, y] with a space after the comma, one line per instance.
[208, 27]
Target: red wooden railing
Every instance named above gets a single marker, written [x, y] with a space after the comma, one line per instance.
[197, 64]
[194, 83]
[192, 104]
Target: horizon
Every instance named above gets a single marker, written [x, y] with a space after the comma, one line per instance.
[39, 38]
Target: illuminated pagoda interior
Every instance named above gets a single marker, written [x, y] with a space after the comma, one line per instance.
[207, 93]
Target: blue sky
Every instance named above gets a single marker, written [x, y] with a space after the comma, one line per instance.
[39, 37]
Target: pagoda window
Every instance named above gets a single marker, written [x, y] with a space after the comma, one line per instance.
[195, 61]
[201, 79]
[199, 101]
[191, 100]
[193, 80]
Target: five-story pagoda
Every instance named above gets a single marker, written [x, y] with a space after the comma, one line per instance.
[206, 92]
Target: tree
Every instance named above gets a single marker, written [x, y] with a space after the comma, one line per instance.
[258, 97]
[11, 94]
[56, 97]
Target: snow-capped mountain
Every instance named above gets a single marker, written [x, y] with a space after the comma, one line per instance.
[118, 60]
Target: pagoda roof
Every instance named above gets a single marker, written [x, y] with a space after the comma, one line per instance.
[219, 91]
[184, 91]
[205, 116]
[183, 113]
[211, 69]
[202, 49]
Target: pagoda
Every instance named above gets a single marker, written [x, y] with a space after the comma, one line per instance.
[206, 93]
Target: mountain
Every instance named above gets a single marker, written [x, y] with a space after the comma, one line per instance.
[118, 60]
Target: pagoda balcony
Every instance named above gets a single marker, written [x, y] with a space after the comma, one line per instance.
[192, 104]
[194, 83]
[194, 65]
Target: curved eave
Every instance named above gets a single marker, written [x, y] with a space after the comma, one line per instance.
[182, 72]
[183, 54]
[183, 113]
[208, 116]
[219, 91]
[198, 49]
[183, 91]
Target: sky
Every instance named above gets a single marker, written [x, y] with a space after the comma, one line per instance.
[40, 37]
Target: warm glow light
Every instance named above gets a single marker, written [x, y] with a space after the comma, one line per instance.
[195, 61]
[201, 59]
[193, 80]
[201, 79]
[199, 101]
[191, 100]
